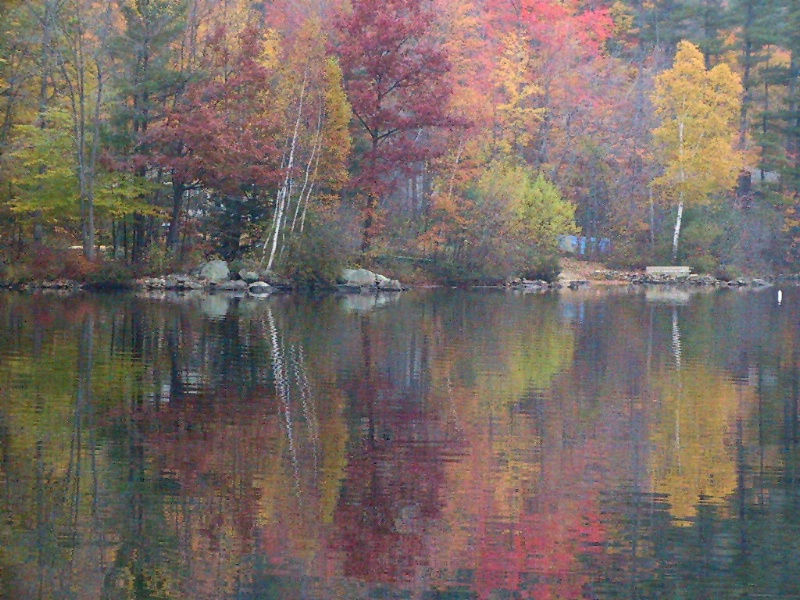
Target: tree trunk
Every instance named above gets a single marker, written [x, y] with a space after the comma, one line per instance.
[678, 219]
[369, 221]
[677, 231]
[747, 64]
[174, 237]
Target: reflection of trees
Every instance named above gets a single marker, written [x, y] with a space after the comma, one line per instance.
[474, 444]
[392, 494]
[694, 454]
[55, 382]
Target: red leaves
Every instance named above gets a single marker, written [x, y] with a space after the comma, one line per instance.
[395, 79]
[220, 133]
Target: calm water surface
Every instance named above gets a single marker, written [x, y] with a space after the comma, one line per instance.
[432, 445]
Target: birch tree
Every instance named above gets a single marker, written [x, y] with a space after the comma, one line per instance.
[698, 110]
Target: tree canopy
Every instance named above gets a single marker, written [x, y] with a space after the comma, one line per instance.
[169, 131]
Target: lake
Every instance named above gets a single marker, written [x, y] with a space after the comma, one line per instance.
[434, 444]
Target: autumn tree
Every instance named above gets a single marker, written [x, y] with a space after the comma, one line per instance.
[147, 80]
[394, 74]
[698, 111]
[221, 134]
[316, 139]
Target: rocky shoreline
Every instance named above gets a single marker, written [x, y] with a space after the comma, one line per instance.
[216, 277]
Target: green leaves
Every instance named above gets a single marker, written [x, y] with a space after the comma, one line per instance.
[41, 166]
[536, 212]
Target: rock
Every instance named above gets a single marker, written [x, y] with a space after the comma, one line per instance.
[668, 271]
[577, 283]
[259, 288]
[59, 284]
[248, 276]
[239, 285]
[151, 283]
[215, 271]
[276, 281]
[390, 285]
[182, 283]
[359, 277]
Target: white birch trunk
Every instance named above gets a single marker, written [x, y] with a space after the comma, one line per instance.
[679, 218]
[285, 191]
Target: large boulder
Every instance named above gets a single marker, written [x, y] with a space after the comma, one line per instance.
[248, 276]
[359, 278]
[260, 288]
[215, 271]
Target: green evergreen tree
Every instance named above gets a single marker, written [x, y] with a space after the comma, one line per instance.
[148, 81]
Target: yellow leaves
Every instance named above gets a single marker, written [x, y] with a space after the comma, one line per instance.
[791, 219]
[39, 165]
[623, 17]
[513, 79]
[535, 210]
[337, 141]
[270, 56]
[698, 110]
[694, 458]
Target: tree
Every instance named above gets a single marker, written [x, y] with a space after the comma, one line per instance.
[147, 81]
[534, 213]
[83, 60]
[317, 139]
[221, 133]
[698, 111]
[394, 75]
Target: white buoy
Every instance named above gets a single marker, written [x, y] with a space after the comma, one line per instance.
[780, 297]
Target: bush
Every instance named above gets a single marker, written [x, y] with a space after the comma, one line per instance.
[451, 272]
[727, 272]
[704, 264]
[315, 258]
[109, 275]
[545, 268]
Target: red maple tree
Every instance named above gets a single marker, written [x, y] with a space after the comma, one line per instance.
[395, 77]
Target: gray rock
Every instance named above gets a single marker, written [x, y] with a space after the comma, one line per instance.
[359, 277]
[233, 286]
[151, 283]
[259, 288]
[577, 284]
[249, 276]
[215, 271]
[390, 285]
[364, 278]
[182, 283]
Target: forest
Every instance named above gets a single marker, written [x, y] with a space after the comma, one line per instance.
[439, 140]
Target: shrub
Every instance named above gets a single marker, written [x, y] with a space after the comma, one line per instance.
[109, 275]
[727, 272]
[315, 258]
[704, 264]
[545, 268]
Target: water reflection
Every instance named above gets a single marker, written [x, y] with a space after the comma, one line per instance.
[442, 444]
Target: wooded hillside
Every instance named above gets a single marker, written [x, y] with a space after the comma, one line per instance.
[446, 139]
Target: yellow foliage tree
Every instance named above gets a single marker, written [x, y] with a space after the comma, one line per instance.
[694, 459]
[698, 111]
